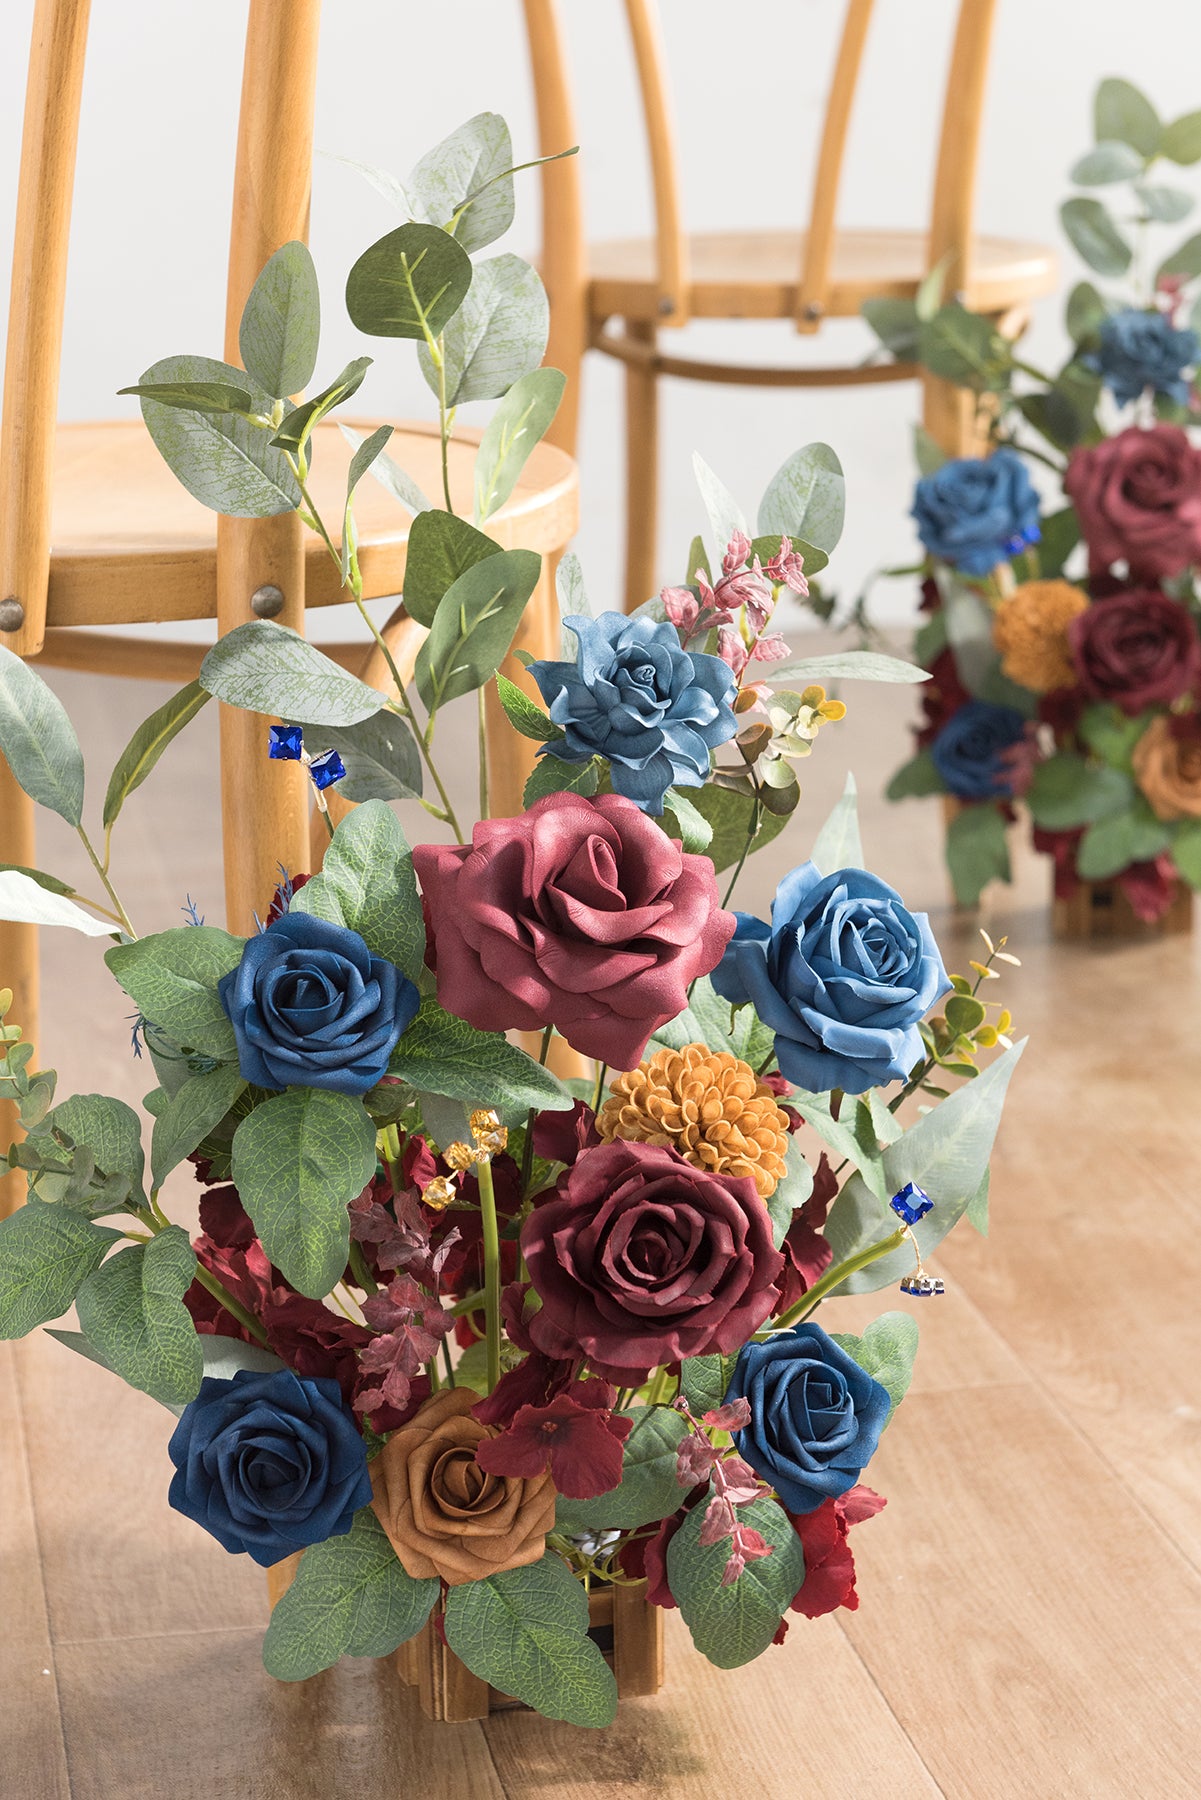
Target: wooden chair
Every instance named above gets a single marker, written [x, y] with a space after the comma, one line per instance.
[615, 297]
[96, 531]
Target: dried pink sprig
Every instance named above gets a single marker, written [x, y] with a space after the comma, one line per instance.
[734, 1482]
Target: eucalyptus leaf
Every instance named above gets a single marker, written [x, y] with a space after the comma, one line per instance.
[392, 478]
[410, 283]
[498, 334]
[190, 1114]
[46, 1252]
[977, 850]
[393, 191]
[474, 163]
[928, 452]
[367, 883]
[131, 1308]
[172, 979]
[474, 626]
[215, 397]
[726, 518]
[1122, 112]
[225, 461]
[569, 587]
[517, 425]
[1086, 313]
[441, 1054]
[1184, 261]
[299, 423]
[1095, 236]
[50, 883]
[38, 740]
[148, 743]
[1119, 839]
[896, 324]
[109, 1129]
[851, 665]
[838, 844]
[441, 548]
[267, 668]
[380, 756]
[26, 899]
[1068, 791]
[1167, 205]
[1106, 163]
[966, 348]
[281, 322]
[1181, 140]
[732, 1625]
[806, 498]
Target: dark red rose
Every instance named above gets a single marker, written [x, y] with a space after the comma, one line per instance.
[641, 1259]
[1138, 499]
[581, 914]
[1137, 649]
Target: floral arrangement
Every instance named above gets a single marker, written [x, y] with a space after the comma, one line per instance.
[470, 1336]
[1064, 646]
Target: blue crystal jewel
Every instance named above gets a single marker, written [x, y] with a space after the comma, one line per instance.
[912, 1203]
[327, 768]
[285, 743]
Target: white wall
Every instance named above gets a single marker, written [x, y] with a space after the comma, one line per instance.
[156, 162]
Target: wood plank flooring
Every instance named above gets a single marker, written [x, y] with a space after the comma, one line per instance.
[1030, 1619]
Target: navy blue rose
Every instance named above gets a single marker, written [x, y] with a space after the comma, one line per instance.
[268, 1463]
[816, 1416]
[969, 751]
[312, 1007]
[633, 696]
[842, 976]
[976, 511]
[1141, 350]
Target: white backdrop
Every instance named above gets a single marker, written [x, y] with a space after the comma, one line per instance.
[156, 165]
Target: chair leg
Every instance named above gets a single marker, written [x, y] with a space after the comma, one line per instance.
[642, 469]
[18, 961]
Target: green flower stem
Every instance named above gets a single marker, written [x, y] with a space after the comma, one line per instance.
[450, 1368]
[483, 1171]
[482, 734]
[657, 1393]
[360, 1271]
[752, 834]
[834, 1277]
[468, 1304]
[121, 915]
[235, 1307]
[527, 1149]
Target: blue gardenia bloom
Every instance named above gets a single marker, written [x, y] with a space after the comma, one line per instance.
[975, 511]
[633, 696]
[1143, 349]
[816, 1416]
[842, 976]
[969, 751]
[269, 1463]
[311, 1006]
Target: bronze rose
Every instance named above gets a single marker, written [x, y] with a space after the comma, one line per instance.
[1167, 766]
[445, 1515]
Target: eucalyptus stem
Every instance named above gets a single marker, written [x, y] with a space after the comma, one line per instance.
[491, 1236]
[444, 425]
[752, 834]
[832, 1278]
[120, 912]
[482, 734]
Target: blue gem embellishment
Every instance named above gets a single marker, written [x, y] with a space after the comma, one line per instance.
[285, 743]
[327, 768]
[912, 1203]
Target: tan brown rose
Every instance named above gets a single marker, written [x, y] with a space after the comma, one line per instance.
[445, 1515]
[1167, 766]
[1030, 631]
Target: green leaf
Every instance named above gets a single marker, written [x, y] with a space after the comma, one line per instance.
[977, 850]
[441, 548]
[524, 716]
[726, 517]
[964, 1013]
[730, 813]
[852, 665]
[38, 740]
[519, 422]
[838, 844]
[264, 667]
[299, 1159]
[50, 883]
[189, 1116]
[551, 775]
[497, 336]
[844, 1137]
[220, 1357]
[1106, 163]
[705, 1381]
[792, 1190]
[367, 883]
[896, 324]
[1121, 838]
[281, 322]
[109, 1129]
[770, 544]
[649, 1489]
[215, 397]
[886, 1351]
[147, 745]
[1061, 534]
[46, 1252]
[525, 1631]
[443, 1055]
[26, 897]
[474, 163]
[299, 423]
[474, 626]
[1086, 313]
[1167, 205]
[1185, 261]
[1067, 791]
[806, 498]
[132, 1309]
[692, 827]
[351, 1597]
[224, 460]
[1181, 140]
[1122, 112]
[392, 478]
[172, 977]
[412, 281]
[1186, 851]
[698, 558]
[966, 348]
[928, 453]
[365, 454]
[916, 778]
[381, 758]
[977, 1207]
[569, 588]
[733, 1625]
[1095, 236]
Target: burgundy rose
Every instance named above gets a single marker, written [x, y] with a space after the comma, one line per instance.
[642, 1259]
[941, 697]
[1137, 649]
[581, 914]
[1138, 499]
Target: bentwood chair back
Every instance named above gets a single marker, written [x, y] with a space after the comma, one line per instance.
[96, 531]
[616, 297]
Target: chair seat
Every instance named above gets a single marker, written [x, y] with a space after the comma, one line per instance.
[753, 274]
[129, 544]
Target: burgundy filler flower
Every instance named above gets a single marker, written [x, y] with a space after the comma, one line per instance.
[581, 914]
[641, 1259]
[829, 1565]
[1137, 649]
[1138, 499]
[575, 1436]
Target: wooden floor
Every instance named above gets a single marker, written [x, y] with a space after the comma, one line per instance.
[1031, 1598]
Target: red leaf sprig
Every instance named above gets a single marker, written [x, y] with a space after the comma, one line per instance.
[734, 1482]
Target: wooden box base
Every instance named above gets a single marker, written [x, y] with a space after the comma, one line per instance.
[1100, 909]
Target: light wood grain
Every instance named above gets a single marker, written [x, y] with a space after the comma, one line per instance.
[823, 207]
[671, 245]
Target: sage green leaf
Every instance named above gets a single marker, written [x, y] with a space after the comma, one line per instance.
[1186, 851]
[732, 1625]
[26, 898]
[896, 324]
[570, 591]
[915, 778]
[1181, 141]
[977, 849]
[172, 978]
[474, 626]
[367, 883]
[1067, 791]
[441, 548]
[792, 1190]
[886, 1351]
[220, 1357]
[367, 452]
[705, 1381]
[1094, 234]
[649, 1489]
[50, 883]
[148, 743]
[1122, 112]
[843, 1138]
[498, 334]
[409, 283]
[299, 1159]
[524, 716]
[224, 460]
[1121, 838]
[1106, 163]
[1167, 205]
[351, 1597]
[392, 190]
[443, 1055]
[299, 423]
[687, 822]
[38, 740]
[109, 1129]
[838, 844]
[551, 775]
[928, 453]
[521, 419]
[281, 322]
[854, 665]
[726, 517]
[474, 163]
[525, 1631]
[731, 814]
[1184, 261]
[806, 498]
[264, 667]
[392, 478]
[132, 1309]
[1086, 313]
[188, 1117]
[216, 397]
[46, 1252]
[381, 758]
[966, 348]
[977, 1207]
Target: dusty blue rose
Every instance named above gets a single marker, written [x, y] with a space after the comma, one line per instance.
[842, 976]
[312, 1007]
[969, 751]
[816, 1416]
[1141, 350]
[633, 696]
[268, 1463]
[975, 511]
